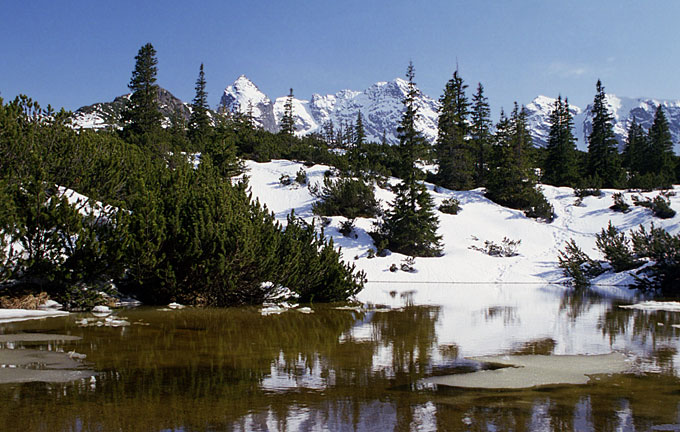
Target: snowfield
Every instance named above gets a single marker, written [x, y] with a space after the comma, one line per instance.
[478, 221]
[440, 280]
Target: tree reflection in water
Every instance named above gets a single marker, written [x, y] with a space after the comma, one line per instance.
[233, 369]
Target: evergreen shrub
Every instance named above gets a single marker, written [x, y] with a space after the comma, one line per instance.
[347, 197]
[616, 249]
[578, 266]
[347, 227]
[450, 206]
[620, 204]
[662, 250]
[660, 206]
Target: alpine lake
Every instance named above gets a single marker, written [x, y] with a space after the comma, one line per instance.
[433, 365]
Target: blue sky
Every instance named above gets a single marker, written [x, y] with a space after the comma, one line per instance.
[75, 53]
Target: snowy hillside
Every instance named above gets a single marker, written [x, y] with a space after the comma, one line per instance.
[108, 114]
[623, 110]
[479, 220]
[380, 106]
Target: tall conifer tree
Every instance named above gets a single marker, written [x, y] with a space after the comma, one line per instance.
[635, 149]
[288, 121]
[603, 159]
[480, 134]
[199, 124]
[142, 114]
[660, 156]
[512, 181]
[357, 152]
[561, 163]
[411, 226]
[453, 150]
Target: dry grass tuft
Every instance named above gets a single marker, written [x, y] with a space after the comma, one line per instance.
[28, 301]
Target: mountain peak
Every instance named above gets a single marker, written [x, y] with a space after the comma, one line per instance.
[243, 96]
[241, 92]
[380, 104]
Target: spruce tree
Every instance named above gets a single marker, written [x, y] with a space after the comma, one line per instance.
[357, 157]
[480, 134]
[453, 151]
[410, 227]
[512, 179]
[634, 152]
[199, 123]
[561, 167]
[142, 115]
[604, 167]
[660, 160]
[329, 133]
[287, 121]
[359, 132]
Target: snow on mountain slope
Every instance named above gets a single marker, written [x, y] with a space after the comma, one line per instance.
[380, 106]
[539, 111]
[244, 97]
[108, 114]
[479, 220]
[623, 110]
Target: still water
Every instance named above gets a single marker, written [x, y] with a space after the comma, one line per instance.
[341, 368]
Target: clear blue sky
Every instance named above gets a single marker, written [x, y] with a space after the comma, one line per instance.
[74, 53]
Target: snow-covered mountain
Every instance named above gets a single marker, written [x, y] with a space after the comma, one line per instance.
[623, 109]
[380, 105]
[108, 114]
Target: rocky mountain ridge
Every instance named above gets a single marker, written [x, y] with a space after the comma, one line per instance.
[381, 108]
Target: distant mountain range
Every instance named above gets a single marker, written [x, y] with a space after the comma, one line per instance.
[380, 105]
[623, 109]
[381, 108]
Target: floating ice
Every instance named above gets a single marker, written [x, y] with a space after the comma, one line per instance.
[654, 306]
[536, 370]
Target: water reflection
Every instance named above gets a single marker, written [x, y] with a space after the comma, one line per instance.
[234, 369]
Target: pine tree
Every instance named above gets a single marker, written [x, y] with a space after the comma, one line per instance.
[660, 155]
[359, 132]
[199, 123]
[357, 153]
[603, 158]
[480, 133]
[329, 133]
[288, 121]
[453, 151]
[512, 179]
[561, 167]
[411, 226]
[142, 114]
[635, 149]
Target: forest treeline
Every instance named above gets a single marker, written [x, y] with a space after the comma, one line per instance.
[155, 226]
[166, 215]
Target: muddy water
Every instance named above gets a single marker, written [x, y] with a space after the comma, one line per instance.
[342, 369]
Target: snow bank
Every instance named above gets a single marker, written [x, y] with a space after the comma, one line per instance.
[479, 220]
[654, 306]
[11, 315]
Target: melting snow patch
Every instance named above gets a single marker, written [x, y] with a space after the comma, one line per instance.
[11, 315]
[109, 321]
[101, 311]
[536, 370]
[654, 306]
